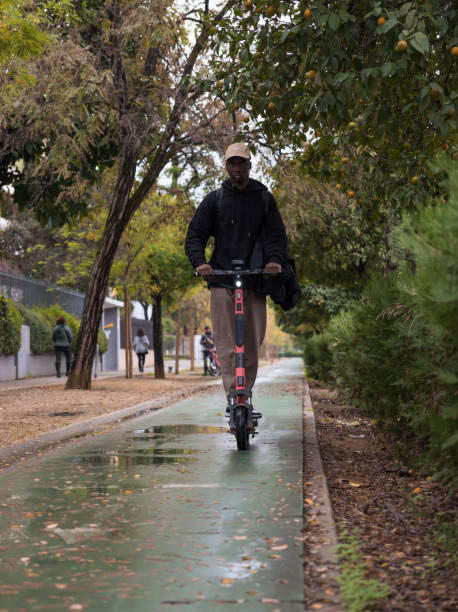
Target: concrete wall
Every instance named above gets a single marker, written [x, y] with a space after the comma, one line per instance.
[26, 364]
[149, 360]
[7, 367]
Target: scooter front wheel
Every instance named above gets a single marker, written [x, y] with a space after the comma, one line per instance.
[214, 370]
[241, 431]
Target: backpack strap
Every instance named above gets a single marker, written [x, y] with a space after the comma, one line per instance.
[219, 199]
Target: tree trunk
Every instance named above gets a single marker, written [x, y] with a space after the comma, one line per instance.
[118, 218]
[145, 306]
[157, 338]
[177, 340]
[128, 333]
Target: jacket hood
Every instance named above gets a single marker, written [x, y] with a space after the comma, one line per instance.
[253, 185]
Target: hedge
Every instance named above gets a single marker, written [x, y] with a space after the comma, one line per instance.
[53, 312]
[10, 327]
[396, 353]
[40, 330]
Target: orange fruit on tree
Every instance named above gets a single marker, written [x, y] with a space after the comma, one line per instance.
[345, 160]
[271, 105]
[414, 180]
[220, 83]
[248, 4]
[271, 10]
[351, 193]
[401, 45]
[451, 112]
[454, 51]
[235, 106]
[381, 20]
[311, 74]
[308, 14]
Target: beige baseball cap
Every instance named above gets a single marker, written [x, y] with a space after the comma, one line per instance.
[237, 149]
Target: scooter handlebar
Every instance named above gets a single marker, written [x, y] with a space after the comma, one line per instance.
[253, 272]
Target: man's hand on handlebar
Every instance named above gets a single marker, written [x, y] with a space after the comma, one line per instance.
[272, 268]
[204, 269]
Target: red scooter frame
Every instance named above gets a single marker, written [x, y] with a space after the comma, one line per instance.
[242, 419]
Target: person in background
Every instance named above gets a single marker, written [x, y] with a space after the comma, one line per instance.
[206, 342]
[62, 338]
[141, 346]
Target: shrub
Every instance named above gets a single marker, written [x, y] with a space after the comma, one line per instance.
[317, 357]
[396, 352]
[40, 330]
[102, 341]
[53, 312]
[10, 327]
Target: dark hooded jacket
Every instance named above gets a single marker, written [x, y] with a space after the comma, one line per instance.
[236, 222]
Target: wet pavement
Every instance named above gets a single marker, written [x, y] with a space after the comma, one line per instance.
[163, 513]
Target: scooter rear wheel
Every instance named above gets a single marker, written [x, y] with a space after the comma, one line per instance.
[241, 431]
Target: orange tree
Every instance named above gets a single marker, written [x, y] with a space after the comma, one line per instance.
[363, 95]
[371, 85]
[369, 79]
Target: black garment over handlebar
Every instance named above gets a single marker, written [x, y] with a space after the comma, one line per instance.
[254, 272]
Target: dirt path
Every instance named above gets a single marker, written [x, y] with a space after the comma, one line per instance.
[32, 411]
[392, 511]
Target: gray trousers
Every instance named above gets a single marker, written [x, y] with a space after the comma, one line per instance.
[222, 316]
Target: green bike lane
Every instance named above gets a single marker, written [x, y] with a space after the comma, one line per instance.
[163, 513]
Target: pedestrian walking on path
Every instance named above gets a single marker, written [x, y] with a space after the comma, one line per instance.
[62, 337]
[141, 346]
[207, 342]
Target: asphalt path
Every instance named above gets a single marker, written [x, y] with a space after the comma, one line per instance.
[163, 513]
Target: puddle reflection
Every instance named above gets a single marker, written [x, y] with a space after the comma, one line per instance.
[186, 428]
[139, 457]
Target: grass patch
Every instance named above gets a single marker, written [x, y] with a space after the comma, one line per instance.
[359, 592]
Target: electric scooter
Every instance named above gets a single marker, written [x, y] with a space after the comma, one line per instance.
[243, 420]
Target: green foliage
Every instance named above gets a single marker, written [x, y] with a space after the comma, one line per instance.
[396, 352]
[317, 357]
[360, 115]
[40, 330]
[41, 322]
[19, 35]
[359, 592]
[51, 313]
[10, 327]
[102, 341]
[331, 236]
